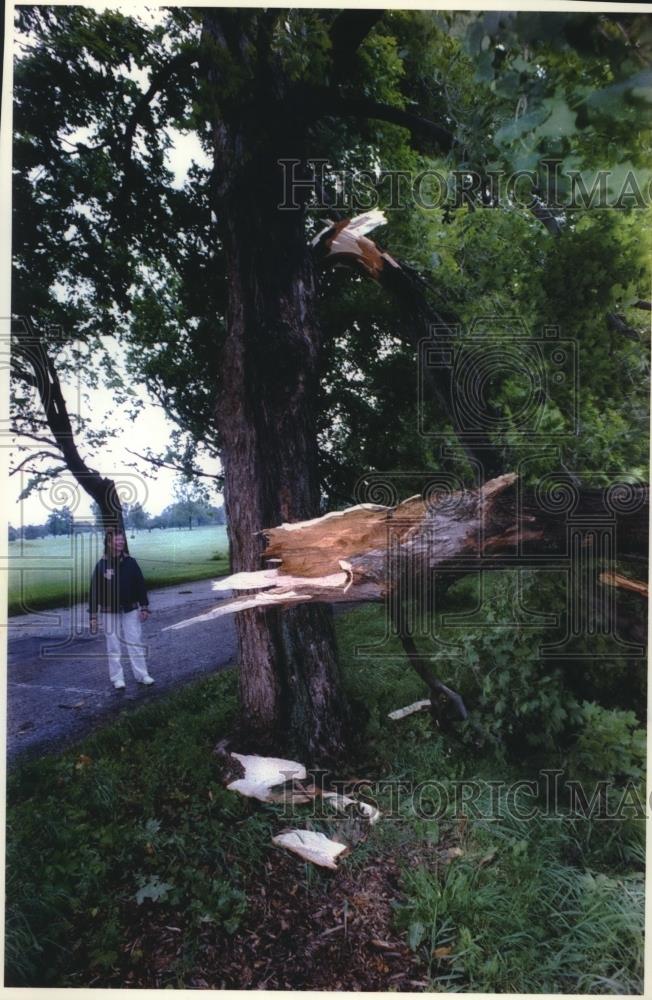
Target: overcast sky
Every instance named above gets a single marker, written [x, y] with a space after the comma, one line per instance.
[150, 431]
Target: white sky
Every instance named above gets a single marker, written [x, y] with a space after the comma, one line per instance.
[150, 431]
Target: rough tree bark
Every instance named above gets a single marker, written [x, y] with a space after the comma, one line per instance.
[289, 687]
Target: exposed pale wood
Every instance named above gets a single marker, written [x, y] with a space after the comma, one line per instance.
[361, 554]
[263, 774]
[346, 805]
[624, 583]
[312, 846]
[317, 548]
[402, 713]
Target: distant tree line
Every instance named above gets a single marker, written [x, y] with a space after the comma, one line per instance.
[185, 513]
[182, 514]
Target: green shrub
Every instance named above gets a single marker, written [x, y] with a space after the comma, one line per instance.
[610, 745]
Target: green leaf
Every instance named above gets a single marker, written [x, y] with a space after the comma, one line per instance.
[520, 126]
[155, 890]
[415, 935]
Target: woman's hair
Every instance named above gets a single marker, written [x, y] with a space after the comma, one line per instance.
[108, 536]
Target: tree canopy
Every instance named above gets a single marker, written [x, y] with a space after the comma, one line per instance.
[107, 246]
[510, 154]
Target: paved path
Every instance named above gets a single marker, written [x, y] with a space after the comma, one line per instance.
[58, 686]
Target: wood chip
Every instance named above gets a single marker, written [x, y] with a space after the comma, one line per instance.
[262, 774]
[417, 706]
[311, 846]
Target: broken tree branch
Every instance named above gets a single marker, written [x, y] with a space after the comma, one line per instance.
[624, 583]
[363, 553]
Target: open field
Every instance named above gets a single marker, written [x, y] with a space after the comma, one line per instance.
[55, 571]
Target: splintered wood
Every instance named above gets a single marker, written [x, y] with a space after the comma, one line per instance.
[345, 555]
[345, 244]
[311, 846]
[362, 553]
[324, 545]
[624, 583]
[402, 713]
[273, 779]
[268, 778]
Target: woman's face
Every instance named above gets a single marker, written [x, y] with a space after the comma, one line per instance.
[117, 544]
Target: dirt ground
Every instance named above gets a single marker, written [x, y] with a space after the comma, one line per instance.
[297, 935]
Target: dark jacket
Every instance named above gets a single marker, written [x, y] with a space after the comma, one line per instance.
[117, 585]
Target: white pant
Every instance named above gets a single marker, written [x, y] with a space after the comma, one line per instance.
[122, 630]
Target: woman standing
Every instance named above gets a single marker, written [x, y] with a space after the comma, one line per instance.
[118, 590]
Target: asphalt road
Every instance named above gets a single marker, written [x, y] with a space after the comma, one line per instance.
[58, 686]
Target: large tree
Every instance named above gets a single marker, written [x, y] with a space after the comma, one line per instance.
[261, 88]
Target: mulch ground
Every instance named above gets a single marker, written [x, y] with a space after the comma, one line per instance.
[296, 936]
[304, 929]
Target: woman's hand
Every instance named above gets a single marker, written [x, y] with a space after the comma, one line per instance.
[143, 614]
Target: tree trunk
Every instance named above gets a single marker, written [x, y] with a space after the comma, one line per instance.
[289, 685]
[46, 381]
[104, 492]
[266, 417]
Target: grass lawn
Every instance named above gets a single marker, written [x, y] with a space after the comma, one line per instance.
[55, 571]
[130, 865]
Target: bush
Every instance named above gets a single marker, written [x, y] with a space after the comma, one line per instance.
[610, 745]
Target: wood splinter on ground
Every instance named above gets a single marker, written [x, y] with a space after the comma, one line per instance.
[274, 779]
[312, 846]
[416, 706]
[345, 805]
[269, 779]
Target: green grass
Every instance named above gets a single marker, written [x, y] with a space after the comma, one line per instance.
[527, 920]
[140, 828]
[140, 811]
[55, 571]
